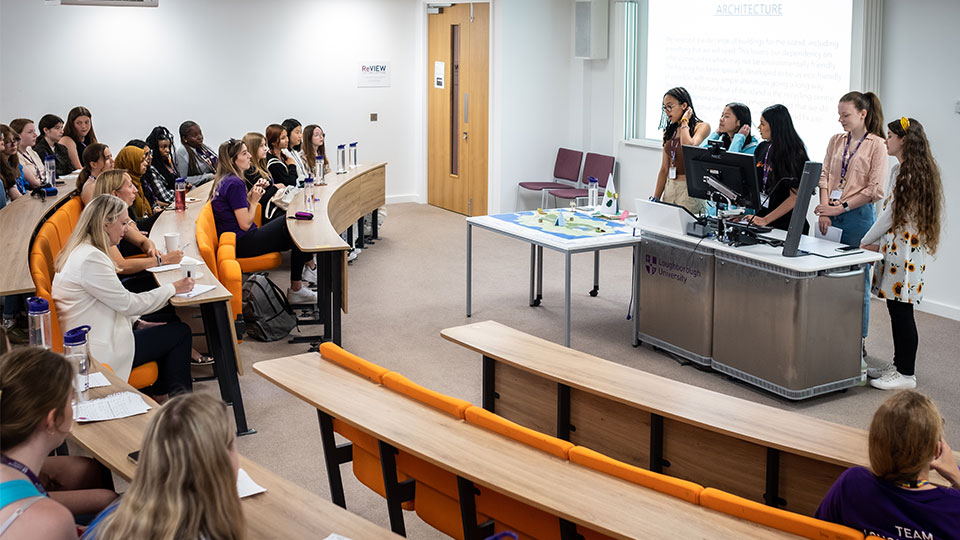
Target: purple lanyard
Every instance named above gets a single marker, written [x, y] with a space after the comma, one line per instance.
[766, 166]
[674, 144]
[25, 470]
[845, 160]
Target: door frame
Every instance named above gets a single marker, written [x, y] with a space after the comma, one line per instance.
[493, 96]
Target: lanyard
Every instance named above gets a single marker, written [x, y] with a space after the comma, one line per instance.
[25, 470]
[766, 166]
[36, 167]
[207, 156]
[674, 145]
[845, 160]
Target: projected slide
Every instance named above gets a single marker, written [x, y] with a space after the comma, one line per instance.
[795, 52]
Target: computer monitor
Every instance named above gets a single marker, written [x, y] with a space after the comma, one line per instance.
[713, 170]
[808, 185]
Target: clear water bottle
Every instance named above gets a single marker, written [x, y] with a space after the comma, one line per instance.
[592, 192]
[341, 159]
[308, 193]
[319, 171]
[353, 155]
[38, 321]
[50, 164]
[75, 350]
[180, 194]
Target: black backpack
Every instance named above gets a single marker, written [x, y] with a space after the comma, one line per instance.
[266, 312]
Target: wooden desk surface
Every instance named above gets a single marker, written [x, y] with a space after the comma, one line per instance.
[185, 224]
[598, 501]
[785, 430]
[18, 221]
[341, 202]
[284, 511]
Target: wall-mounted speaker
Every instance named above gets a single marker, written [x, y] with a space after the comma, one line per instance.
[590, 35]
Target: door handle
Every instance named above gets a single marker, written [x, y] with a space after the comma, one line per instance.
[464, 135]
[466, 107]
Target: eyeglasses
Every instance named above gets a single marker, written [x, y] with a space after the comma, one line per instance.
[670, 106]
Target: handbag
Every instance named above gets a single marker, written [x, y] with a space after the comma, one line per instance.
[281, 200]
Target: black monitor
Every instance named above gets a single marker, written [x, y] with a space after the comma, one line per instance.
[808, 187]
[713, 170]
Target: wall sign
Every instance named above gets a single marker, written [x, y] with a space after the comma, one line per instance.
[438, 74]
[373, 75]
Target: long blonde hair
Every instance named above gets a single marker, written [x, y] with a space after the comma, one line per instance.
[109, 181]
[185, 486]
[253, 141]
[102, 210]
[229, 150]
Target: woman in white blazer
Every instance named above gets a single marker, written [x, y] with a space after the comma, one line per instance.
[87, 291]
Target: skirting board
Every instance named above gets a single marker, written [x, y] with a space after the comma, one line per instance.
[397, 199]
[937, 308]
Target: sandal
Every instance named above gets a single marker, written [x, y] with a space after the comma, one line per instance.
[204, 360]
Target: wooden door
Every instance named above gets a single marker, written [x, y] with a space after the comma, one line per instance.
[457, 96]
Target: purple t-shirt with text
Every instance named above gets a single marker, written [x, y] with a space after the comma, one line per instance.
[231, 194]
[860, 500]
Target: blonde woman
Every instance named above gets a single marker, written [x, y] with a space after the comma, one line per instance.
[313, 146]
[256, 144]
[186, 481]
[894, 497]
[39, 492]
[87, 291]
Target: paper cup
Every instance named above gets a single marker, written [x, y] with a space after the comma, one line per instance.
[192, 268]
[171, 241]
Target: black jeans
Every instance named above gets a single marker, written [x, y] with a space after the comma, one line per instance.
[905, 339]
[169, 346]
[273, 236]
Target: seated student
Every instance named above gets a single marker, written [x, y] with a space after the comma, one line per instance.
[733, 130]
[780, 159]
[11, 170]
[3, 192]
[78, 135]
[313, 145]
[145, 209]
[257, 146]
[39, 494]
[282, 168]
[186, 481]
[50, 129]
[681, 126]
[894, 498]
[164, 173]
[96, 160]
[195, 161]
[87, 291]
[294, 139]
[233, 209]
[34, 171]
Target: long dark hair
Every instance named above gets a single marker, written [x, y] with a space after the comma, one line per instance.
[70, 131]
[92, 153]
[787, 152]
[289, 125]
[156, 135]
[9, 168]
[193, 162]
[868, 101]
[742, 112]
[918, 192]
[48, 121]
[681, 95]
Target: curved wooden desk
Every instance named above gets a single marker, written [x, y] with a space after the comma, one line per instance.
[344, 200]
[19, 221]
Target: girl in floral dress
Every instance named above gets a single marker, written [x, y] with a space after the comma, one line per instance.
[906, 232]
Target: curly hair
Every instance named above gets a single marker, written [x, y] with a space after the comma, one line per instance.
[918, 192]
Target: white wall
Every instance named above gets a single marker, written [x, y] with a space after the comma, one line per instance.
[231, 66]
[919, 79]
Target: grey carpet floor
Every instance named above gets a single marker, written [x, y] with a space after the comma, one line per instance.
[410, 285]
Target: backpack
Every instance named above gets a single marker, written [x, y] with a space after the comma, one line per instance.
[266, 312]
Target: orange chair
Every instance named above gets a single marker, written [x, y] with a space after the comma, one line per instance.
[776, 518]
[682, 489]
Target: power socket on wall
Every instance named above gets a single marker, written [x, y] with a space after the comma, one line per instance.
[373, 116]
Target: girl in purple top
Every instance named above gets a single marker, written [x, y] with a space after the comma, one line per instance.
[234, 209]
[894, 498]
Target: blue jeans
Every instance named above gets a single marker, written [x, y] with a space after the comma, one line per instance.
[13, 305]
[854, 225]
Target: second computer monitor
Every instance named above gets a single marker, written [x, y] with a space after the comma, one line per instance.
[712, 170]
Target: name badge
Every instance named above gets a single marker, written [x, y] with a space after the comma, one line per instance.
[765, 202]
[672, 173]
[836, 194]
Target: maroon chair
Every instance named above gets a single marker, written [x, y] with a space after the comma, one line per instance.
[598, 166]
[567, 168]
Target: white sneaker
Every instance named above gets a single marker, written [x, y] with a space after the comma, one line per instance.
[309, 274]
[354, 253]
[895, 381]
[876, 372]
[302, 296]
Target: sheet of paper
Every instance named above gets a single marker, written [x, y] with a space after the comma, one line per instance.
[168, 267]
[335, 536]
[119, 405]
[833, 234]
[246, 486]
[197, 290]
[97, 380]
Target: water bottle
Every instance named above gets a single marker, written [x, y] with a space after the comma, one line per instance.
[353, 155]
[180, 194]
[75, 350]
[50, 164]
[38, 321]
[319, 174]
[308, 193]
[341, 159]
[592, 192]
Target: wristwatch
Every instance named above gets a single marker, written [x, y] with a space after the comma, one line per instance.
[846, 207]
